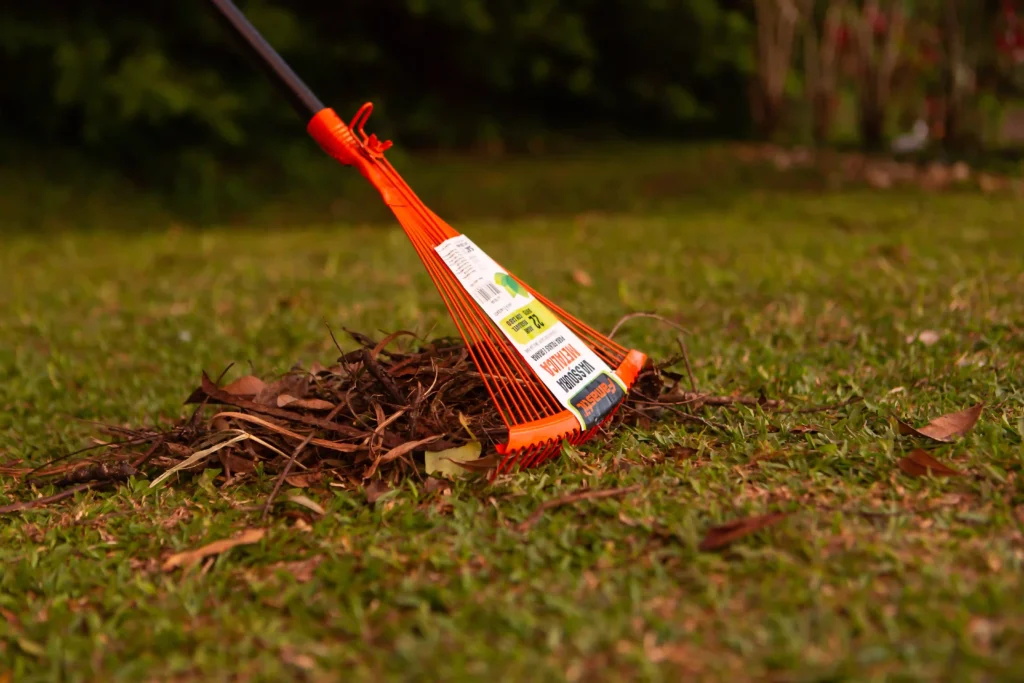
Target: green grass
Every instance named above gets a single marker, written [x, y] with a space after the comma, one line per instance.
[875, 575]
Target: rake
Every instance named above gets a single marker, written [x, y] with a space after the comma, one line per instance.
[548, 374]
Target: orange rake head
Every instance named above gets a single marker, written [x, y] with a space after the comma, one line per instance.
[551, 377]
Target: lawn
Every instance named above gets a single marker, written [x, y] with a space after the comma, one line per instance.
[814, 298]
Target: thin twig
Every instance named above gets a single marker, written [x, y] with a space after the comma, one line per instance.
[630, 316]
[46, 500]
[824, 408]
[686, 416]
[126, 442]
[573, 498]
[686, 360]
[383, 377]
[144, 458]
[285, 472]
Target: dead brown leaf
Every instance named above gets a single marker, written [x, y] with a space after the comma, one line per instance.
[192, 557]
[302, 570]
[681, 452]
[582, 278]
[480, 464]
[303, 479]
[433, 485]
[724, 534]
[919, 464]
[248, 385]
[235, 464]
[803, 429]
[374, 490]
[289, 401]
[296, 385]
[946, 426]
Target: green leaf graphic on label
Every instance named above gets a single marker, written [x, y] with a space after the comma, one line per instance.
[510, 285]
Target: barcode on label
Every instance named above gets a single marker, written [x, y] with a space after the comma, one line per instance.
[488, 291]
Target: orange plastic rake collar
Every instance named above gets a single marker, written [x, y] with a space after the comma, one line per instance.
[537, 422]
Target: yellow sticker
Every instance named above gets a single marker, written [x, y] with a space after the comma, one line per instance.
[529, 321]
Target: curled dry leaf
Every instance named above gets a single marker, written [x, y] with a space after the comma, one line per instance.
[307, 503]
[303, 479]
[804, 429]
[919, 464]
[945, 427]
[192, 557]
[289, 401]
[248, 385]
[724, 534]
[481, 464]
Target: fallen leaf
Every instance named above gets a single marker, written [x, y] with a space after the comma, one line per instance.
[445, 462]
[374, 490]
[724, 534]
[30, 646]
[306, 503]
[302, 570]
[299, 660]
[918, 464]
[679, 452]
[433, 485]
[303, 479]
[946, 426]
[192, 557]
[249, 385]
[294, 385]
[287, 400]
[481, 465]
[582, 278]
[803, 429]
[926, 337]
[236, 464]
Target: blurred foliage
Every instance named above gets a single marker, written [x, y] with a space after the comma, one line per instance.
[164, 94]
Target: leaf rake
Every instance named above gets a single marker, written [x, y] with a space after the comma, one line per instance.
[549, 375]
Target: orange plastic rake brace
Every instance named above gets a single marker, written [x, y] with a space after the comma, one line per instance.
[551, 377]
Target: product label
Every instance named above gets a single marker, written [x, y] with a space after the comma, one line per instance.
[570, 369]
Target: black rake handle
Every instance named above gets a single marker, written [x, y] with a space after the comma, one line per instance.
[302, 99]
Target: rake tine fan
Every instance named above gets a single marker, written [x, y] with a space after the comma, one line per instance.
[550, 376]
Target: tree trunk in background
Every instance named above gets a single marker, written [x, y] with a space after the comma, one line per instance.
[823, 110]
[872, 125]
[875, 66]
[776, 33]
[956, 69]
[821, 65]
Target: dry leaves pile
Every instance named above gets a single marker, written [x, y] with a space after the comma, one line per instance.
[377, 414]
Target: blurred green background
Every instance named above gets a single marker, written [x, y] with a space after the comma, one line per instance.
[159, 101]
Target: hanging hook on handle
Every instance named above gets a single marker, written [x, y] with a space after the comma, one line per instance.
[370, 142]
